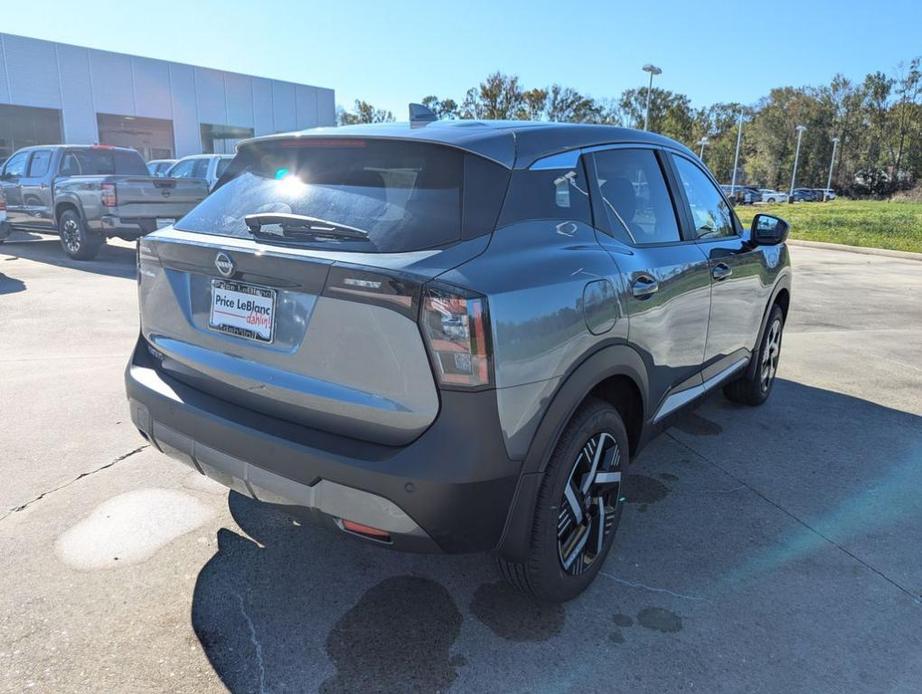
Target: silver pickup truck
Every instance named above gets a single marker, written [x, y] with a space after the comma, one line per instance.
[88, 193]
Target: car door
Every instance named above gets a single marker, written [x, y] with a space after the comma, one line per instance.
[736, 266]
[665, 274]
[13, 172]
[36, 190]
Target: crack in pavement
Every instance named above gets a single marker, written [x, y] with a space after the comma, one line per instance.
[22, 507]
[653, 589]
[797, 519]
[256, 645]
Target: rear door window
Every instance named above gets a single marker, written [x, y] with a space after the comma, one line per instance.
[636, 204]
[200, 168]
[222, 166]
[405, 195]
[39, 164]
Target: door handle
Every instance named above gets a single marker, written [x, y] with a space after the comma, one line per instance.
[644, 287]
[721, 271]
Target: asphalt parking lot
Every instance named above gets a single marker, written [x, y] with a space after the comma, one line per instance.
[772, 549]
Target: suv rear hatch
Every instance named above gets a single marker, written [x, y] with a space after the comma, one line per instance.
[303, 286]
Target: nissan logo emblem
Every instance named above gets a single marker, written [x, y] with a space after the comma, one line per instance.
[224, 264]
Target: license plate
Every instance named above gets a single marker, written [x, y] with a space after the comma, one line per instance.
[165, 222]
[243, 310]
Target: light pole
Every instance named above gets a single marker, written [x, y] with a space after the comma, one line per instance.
[832, 162]
[653, 70]
[736, 159]
[703, 141]
[800, 133]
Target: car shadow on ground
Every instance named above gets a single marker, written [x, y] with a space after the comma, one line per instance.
[114, 259]
[284, 606]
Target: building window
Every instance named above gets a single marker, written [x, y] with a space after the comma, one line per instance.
[24, 126]
[152, 137]
[222, 139]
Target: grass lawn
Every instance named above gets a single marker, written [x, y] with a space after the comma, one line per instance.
[872, 223]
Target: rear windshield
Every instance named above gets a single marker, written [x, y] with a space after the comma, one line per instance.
[406, 195]
[102, 162]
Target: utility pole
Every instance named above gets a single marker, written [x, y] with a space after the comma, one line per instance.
[800, 133]
[653, 70]
[736, 159]
[832, 162]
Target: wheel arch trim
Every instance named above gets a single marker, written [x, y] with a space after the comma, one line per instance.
[783, 283]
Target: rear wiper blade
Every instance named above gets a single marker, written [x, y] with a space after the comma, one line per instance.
[277, 223]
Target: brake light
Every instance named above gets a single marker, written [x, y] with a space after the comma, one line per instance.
[2, 203]
[109, 196]
[456, 327]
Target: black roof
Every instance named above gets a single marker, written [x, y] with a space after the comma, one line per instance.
[511, 143]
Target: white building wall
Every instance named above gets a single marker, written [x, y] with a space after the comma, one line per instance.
[84, 82]
[79, 114]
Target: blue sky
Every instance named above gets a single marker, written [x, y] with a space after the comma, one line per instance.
[397, 51]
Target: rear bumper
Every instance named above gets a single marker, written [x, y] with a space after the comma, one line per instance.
[125, 227]
[450, 490]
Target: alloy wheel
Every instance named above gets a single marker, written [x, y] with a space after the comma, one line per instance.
[71, 235]
[589, 504]
[770, 354]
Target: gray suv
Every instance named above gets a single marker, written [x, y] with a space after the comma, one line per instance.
[453, 336]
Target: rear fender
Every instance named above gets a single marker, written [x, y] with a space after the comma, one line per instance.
[615, 360]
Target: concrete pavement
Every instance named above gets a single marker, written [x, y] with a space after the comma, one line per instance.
[770, 549]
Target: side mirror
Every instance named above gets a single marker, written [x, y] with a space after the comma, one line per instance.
[768, 230]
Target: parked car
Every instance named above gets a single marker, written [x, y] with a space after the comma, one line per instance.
[207, 167]
[453, 336]
[751, 195]
[87, 193]
[742, 195]
[823, 194]
[159, 167]
[4, 225]
[803, 195]
[769, 195]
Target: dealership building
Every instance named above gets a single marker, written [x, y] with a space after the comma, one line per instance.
[57, 93]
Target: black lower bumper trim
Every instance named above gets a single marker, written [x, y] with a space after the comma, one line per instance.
[455, 481]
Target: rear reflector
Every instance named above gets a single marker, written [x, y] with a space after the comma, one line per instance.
[366, 530]
[456, 327]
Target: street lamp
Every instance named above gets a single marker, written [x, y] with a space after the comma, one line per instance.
[832, 162]
[703, 141]
[800, 133]
[653, 70]
[736, 158]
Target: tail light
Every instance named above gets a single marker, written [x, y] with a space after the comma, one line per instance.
[109, 195]
[456, 327]
[2, 203]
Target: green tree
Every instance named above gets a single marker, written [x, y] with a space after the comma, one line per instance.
[363, 112]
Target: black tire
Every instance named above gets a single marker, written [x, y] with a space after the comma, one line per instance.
[770, 200]
[77, 241]
[755, 389]
[551, 573]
